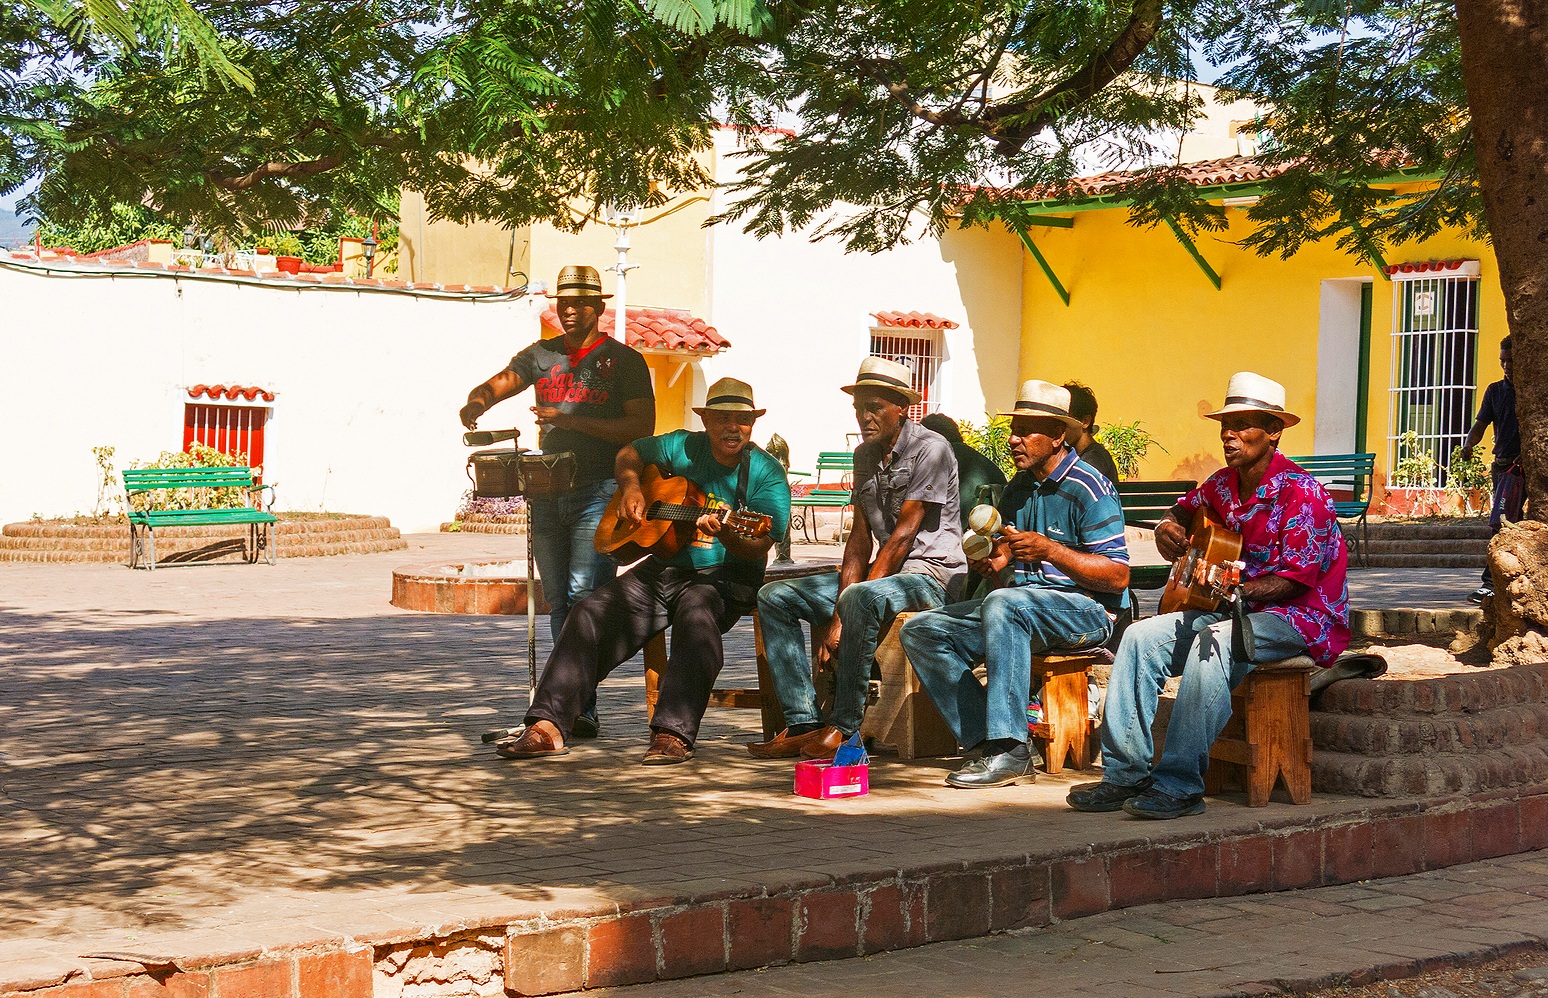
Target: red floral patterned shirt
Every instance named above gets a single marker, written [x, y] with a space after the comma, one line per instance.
[1289, 529]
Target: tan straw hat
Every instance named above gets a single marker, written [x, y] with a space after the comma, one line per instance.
[729, 395]
[881, 374]
[579, 282]
[1042, 398]
[1250, 392]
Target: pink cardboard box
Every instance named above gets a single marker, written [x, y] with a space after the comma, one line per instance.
[823, 780]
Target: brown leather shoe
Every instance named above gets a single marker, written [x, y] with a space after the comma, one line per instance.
[823, 744]
[530, 744]
[784, 745]
[666, 749]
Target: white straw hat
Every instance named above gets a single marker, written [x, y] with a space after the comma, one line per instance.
[881, 374]
[1250, 392]
[729, 395]
[1042, 398]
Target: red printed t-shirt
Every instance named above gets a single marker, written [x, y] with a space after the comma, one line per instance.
[594, 382]
[1289, 529]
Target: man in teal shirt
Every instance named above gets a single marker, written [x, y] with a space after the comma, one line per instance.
[700, 592]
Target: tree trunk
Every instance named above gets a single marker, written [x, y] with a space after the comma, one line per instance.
[1505, 69]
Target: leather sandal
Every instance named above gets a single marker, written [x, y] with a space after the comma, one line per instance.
[666, 749]
[530, 744]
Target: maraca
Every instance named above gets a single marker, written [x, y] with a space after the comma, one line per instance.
[983, 524]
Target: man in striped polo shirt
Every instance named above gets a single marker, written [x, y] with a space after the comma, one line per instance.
[1058, 573]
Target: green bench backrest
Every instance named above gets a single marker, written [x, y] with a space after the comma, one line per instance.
[143, 479]
[1351, 472]
[1145, 503]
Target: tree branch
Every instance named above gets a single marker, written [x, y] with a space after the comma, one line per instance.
[252, 178]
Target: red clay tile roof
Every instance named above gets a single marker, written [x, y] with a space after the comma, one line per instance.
[914, 320]
[656, 329]
[1205, 173]
[230, 392]
[1428, 266]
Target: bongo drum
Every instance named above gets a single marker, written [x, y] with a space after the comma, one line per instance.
[495, 473]
[546, 474]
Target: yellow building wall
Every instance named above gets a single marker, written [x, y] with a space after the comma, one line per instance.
[479, 253]
[671, 400]
[1156, 342]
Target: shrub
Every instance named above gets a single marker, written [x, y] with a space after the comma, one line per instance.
[497, 506]
[992, 440]
[199, 457]
[1128, 443]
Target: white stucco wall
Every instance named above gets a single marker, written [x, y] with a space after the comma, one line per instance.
[798, 315]
[368, 386]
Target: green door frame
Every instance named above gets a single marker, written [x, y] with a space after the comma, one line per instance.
[1363, 391]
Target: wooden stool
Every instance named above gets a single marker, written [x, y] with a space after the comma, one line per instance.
[904, 716]
[1066, 728]
[1269, 734]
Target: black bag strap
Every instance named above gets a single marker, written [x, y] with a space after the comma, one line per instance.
[741, 477]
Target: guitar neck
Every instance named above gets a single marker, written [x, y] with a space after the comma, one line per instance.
[677, 512]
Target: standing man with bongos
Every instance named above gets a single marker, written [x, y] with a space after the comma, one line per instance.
[593, 396]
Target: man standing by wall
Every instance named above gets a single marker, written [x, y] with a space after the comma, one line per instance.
[1499, 409]
[593, 396]
[905, 503]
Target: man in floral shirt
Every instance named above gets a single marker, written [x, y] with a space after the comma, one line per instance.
[1294, 587]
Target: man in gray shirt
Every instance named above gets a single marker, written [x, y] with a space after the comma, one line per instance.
[905, 502]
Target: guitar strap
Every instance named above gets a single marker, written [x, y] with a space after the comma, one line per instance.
[741, 478]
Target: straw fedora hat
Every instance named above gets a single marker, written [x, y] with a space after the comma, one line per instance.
[578, 282]
[881, 374]
[1250, 392]
[1042, 398]
[729, 395]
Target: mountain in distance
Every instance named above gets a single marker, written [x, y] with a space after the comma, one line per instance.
[14, 230]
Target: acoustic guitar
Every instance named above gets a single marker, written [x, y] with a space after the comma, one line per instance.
[1210, 570]
[673, 504]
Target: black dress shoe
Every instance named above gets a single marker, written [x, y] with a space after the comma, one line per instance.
[1104, 796]
[587, 725]
[998, 770]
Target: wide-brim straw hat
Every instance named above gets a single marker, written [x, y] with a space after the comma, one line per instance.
[1248, 392]
[881, 374]
[578, 282]
[729, 395]
[1043, 399]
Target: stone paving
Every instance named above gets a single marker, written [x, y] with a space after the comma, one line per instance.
[277, 749]
[1266, 944]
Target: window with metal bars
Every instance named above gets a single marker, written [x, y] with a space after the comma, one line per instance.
[230, 429]
[920, 351]
[1434, 371]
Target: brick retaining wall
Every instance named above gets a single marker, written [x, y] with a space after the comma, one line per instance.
[712, 928]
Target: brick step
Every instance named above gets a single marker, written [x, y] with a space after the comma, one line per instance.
[1467, 545]
[1428, 560]
[1468, 692]
[1418, 775]
[1480, 731]
[1465, 530]
[183, 541]
[119, 528]
[485, 527]
[1405, 622]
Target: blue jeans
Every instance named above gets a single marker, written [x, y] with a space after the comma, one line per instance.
[1196, 646]
[862, 610]
[563, 529]
[1007, 627]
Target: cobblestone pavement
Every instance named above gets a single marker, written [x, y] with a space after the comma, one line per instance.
[277, 746]
[1266, 944]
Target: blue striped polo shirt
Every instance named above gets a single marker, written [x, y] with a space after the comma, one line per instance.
[1077, 507]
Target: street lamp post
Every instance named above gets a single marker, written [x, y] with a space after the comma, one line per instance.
[368, 246]
[620, 221]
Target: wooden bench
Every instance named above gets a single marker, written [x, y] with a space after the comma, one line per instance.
[1349, 473]
[905, 717]
[841, 463]
[1268, 738]
[198, 482]
[751, 699]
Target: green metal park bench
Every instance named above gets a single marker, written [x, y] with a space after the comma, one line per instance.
[1144, 505]
[828, 463]
[1349, 473]
[200, 481]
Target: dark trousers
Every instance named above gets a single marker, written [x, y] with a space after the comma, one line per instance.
[611, 625]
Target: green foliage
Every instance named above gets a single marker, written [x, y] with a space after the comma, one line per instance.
[1467, 478]
[199, 457]
[869, 122]
[122, 224]
[1416, 467]
[108, 492]
[991, 440]
[1128, 443]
